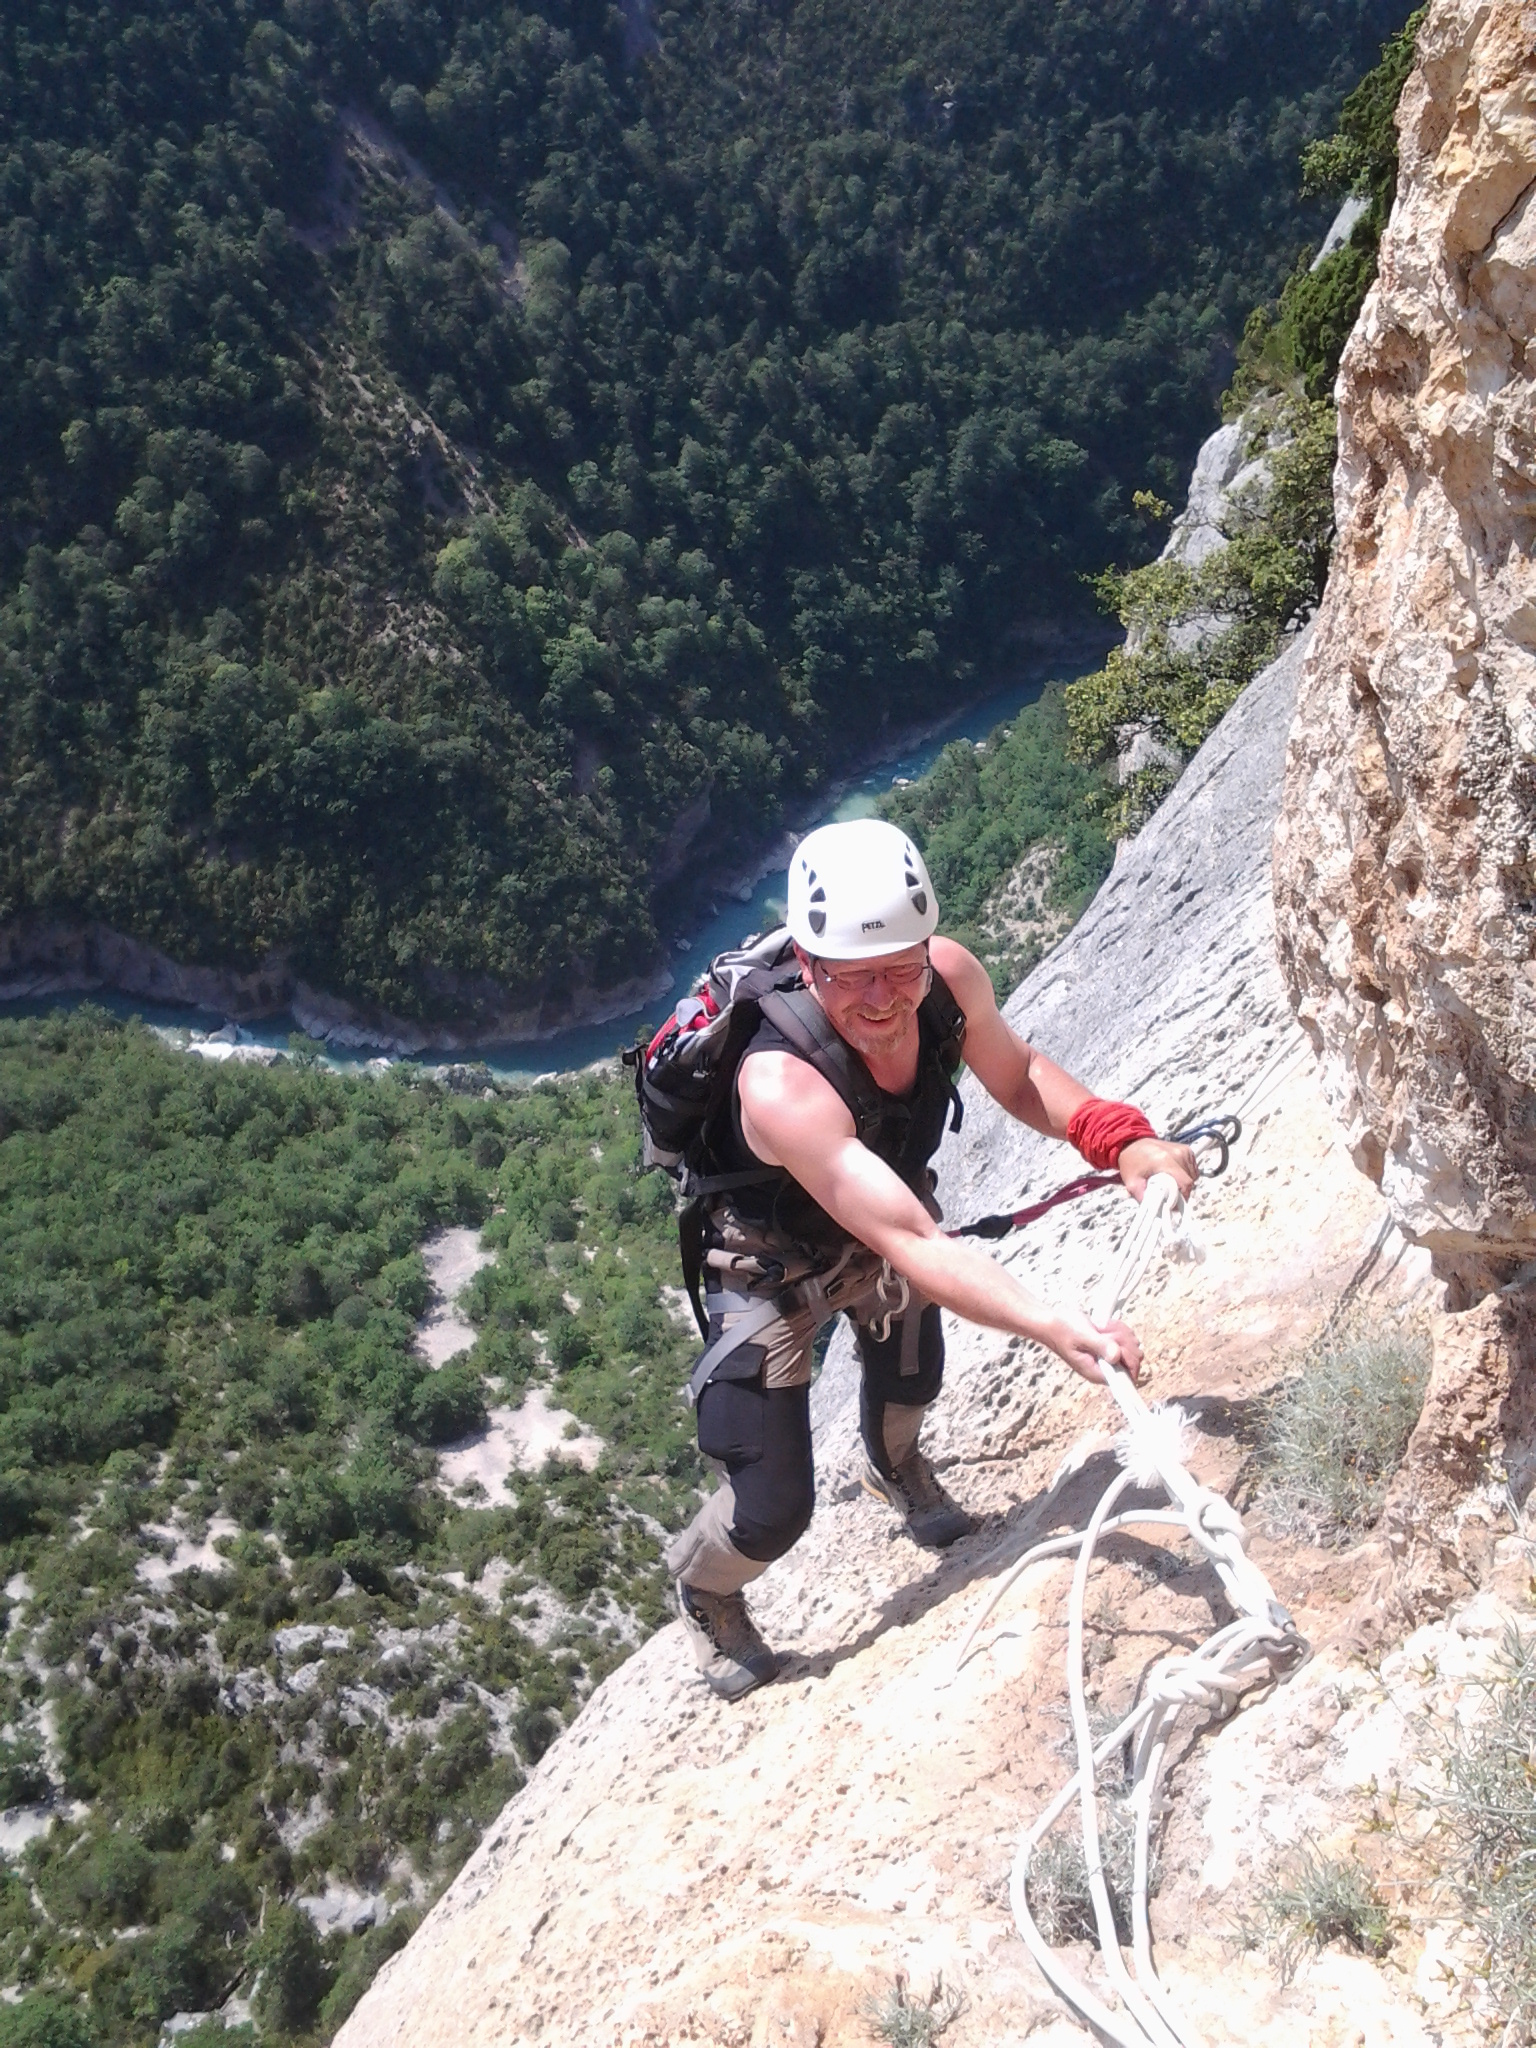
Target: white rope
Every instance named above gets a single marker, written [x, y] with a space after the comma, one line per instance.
[1259, 1647]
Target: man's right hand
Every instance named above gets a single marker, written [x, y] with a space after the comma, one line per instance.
[1088, 1349]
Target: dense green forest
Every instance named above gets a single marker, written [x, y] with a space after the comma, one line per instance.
[442, 444]
[248, 1626]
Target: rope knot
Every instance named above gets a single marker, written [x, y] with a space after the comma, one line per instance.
[1218, 1518]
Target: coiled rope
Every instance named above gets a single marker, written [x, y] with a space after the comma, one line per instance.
[1258, 1648]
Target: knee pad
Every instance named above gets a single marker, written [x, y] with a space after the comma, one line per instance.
[776, 1491]
[764, 1530]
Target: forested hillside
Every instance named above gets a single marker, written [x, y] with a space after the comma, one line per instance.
[442, 448]
[249, 1623]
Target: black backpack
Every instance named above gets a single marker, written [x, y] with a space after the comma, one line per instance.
[684, 1077]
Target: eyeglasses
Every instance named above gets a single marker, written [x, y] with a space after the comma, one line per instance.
[858, 981]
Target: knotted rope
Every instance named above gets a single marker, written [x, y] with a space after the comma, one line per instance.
[1259, 1647]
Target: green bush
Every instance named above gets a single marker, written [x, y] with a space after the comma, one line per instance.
[292, 1974]
[1319, 1900]
[1059, 1893]
[1302, 339]
[902, 2019]
[447, 1404]
[558, 1224]
[365, 1959]
[43, 2020]
[1202, 634]
[23, 1776]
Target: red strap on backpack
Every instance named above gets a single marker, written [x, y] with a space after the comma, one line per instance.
[707, 1011]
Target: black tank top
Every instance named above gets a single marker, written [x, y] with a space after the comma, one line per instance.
[906, 1138]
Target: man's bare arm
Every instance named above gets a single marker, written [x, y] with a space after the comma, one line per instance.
[794, 1118]
[1030, 1086]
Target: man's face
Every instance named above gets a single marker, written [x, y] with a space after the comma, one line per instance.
[871, 1003]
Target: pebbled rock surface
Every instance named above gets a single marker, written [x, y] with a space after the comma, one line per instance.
[677, 1871]
[1405, 868]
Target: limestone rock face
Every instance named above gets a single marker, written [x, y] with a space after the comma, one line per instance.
[1220, 473]
[1405, 862]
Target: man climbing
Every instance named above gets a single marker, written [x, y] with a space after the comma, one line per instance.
[844, 1088]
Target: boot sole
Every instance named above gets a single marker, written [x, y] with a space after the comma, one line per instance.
[871, 1484]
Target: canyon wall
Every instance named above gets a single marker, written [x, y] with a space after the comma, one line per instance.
[44, 956]
[1405, 865]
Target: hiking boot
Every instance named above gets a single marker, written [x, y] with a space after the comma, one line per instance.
[932, 1518]
[731, 1654]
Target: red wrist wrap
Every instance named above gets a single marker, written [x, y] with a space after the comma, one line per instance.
[1099, 1130]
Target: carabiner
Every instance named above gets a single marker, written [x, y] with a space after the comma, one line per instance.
[1221, 1131]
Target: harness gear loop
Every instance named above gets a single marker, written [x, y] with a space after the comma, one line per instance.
[892, 1294]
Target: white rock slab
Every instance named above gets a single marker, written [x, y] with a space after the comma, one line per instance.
[159, 1571]
[517, 1440]
[341, 1909]
[452, 1259]
[22, 1824]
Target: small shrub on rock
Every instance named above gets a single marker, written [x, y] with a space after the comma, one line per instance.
[1338, 1431]
[1488, 1824]
[1320, 1900]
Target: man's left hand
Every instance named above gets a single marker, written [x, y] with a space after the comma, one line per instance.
[1145, 1156]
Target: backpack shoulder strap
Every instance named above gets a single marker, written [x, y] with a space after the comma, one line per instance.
[946, 1022]
[797, 1016]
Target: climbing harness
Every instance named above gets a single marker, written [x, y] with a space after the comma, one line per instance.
[685, 1077]
[1259, 1647]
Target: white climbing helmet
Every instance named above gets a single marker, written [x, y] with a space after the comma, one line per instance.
[859, 889]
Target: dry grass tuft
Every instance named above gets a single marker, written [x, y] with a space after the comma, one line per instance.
[1337, 1432]
[1487, 1816]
